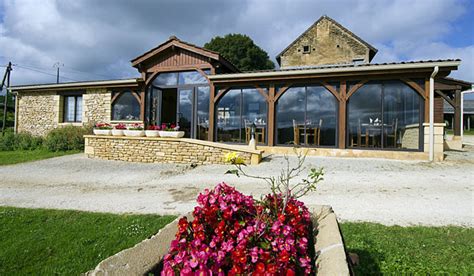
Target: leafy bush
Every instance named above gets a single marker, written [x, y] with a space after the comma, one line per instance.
[66, 138]
[20, 141]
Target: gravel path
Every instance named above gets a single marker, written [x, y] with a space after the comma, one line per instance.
[376, 190]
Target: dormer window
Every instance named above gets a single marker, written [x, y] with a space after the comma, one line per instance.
[358, 61]
[306, 49]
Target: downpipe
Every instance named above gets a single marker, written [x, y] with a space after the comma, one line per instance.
[431, 120]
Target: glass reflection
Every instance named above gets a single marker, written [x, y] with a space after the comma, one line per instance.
[203, 112]
[385, 115]
[166, 79]
[185, 111]
[237, 111]
[126, 108]
[191, 77]
[307, 116]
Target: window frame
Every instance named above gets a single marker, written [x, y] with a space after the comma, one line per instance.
[65, 102]
[121, 93]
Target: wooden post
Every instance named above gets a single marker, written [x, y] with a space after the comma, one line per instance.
[142, 104]
[427, 100]
[5, 102]
[212, 108]
[457, 113]
[342, 115]
[271, 115]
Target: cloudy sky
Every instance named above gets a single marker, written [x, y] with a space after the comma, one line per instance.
[97, 39]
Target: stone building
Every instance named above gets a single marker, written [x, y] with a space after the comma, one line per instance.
[326, 42]
[327, 97]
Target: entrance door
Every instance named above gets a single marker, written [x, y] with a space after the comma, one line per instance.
[186, 112]
[169, 106]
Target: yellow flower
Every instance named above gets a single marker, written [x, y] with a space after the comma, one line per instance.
[233, 158]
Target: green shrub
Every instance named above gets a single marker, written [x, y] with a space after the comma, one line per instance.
[66, 138]
[21, 141]
[7, 141]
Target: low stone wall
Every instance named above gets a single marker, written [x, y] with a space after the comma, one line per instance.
[164, 150]
[146, 255]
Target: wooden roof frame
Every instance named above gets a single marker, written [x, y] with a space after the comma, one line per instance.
[372, 49]
[173, 41]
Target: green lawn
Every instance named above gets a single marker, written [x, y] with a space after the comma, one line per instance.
[410, 250]
[20, 156]
[465, 132]
[47, 242]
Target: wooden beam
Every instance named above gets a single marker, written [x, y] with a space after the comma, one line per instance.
[115, 97]
[221, 93]
[281, 91]
[271, 115]
[212, 116]
[415, 86]
[457, 113]
[142, 104]
[262, 92]
[449, 100]
[342, 115]
[137, 96]
[427, 100]
[331, 89]
[355, 88]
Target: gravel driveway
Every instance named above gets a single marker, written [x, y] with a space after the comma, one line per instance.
[384, 191]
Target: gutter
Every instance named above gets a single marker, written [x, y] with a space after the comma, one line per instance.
[431, 134]
[342, 69]
[76, 84]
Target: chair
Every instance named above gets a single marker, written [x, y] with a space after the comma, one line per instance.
[248, 129]
[296, 133]
[392, 135]
[259, 132]
[360, 135]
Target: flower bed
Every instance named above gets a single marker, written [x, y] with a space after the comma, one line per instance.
[232, 234]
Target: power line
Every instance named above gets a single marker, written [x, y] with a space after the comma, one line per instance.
[43, 72]
[65, 68]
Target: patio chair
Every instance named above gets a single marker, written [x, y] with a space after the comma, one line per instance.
[392, 134]
[296, 133]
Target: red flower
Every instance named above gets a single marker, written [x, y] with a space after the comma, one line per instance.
[290, 272]
[260, 267]
[284, 256]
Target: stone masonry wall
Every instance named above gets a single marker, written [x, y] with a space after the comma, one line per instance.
[97, 106]
[159, 150]
[329, 44]
[41, 111]
[38, 112]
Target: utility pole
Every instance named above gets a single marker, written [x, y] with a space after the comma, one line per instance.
[57, 65]
[5, 102]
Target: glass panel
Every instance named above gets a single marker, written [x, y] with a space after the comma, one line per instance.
[401, 116]
[185, 111]
[202, 112]
[254, 112]
[321, 108]
[69, 103]
[228, 117]
[290, 116]
[79, 109]
[152, 106]
[191, 77]
[126, 108]
[166, 79]
[365, 117]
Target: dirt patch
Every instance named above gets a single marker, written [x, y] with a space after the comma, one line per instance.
[184, 194]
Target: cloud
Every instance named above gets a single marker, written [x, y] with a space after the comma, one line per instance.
[99, 38]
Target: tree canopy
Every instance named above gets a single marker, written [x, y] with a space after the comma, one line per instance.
[241, 51]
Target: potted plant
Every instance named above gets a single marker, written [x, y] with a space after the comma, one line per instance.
[102, 129]
[152, 131]
[118, 129]
[171, 131]
[135, 130]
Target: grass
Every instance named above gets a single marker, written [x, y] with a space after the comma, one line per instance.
[47, 242]
[20, 156]
[410, 250]
[465, 132]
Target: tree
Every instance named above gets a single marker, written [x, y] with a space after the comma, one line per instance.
[241, 51]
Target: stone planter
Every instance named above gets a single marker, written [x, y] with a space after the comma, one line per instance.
[146, 256]
[103, 132]
[134, 133]
[117, 132]
[171, 134]
[152, 133]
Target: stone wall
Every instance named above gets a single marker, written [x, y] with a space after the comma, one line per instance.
[41, 111]
[411, 137]
[38, 112]
[97, 106]
[438, 140]
[164, 150]
[329, 44]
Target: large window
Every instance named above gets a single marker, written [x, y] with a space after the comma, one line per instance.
[126, 107]
[307, 116]
[237, 112]
[73, 108]
[385, 115]
[181, 78]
